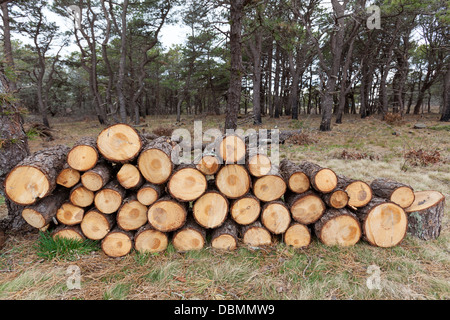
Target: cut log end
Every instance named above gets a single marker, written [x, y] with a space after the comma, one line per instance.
[68, 177]
[269, 188]
[259, 165]
[82, 157]
[307, 208]
[96, 225]
[129, 176]
[403, 196]
[232, 149]
[297, 236]
[81, 196]
[325, 180]
[117, 243]
[208, 165]
[166, 215]
[210, 210]
[119, 143]
[68, 232]
[187, 184]
[70, 214]
[276, 217]
[233, 181]
[25, 185]
[338, 228]
[190, 237]
[132, 215]
[148, 194]
[298, 182]
[150, 240]
[109, 199]
[257, 237]
[245, 210]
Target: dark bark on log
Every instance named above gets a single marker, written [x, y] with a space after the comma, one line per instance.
[385, 188]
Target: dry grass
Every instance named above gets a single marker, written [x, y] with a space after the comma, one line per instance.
[413, 270]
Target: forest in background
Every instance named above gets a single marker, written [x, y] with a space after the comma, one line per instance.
[261, 58]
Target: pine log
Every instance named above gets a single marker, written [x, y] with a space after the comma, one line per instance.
[132, 214]
[155, 162]
[246, 209]
[276, 217]
[211, 209]
[296, 180]
[97, 177]
[117, 243]
[96, 225]
[383, 223]
[68, 232]
[233, 181]
[167, 214]
[119, 143]
[35, 176]
[256, 235]
[83, 156]
[297, 235]
[338, 228]
[306, 207]
[226, 236]
[336, 199]
[148, 239]
[69, 214]
[269, 187]
[109, 199]
[187, 183]
[208, 164]
[68, 177]
[258, 164]
[130, 177]
[80, 196]
[42, 212]
[397, 192]
[359, 192]
[189, 237]
[232, 149]
[426, 214]
[149, 193]
[322, 179]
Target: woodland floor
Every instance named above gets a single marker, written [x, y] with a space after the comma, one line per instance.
[414, 269]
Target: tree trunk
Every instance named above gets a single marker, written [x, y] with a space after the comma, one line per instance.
[7, 47]
[446, 96]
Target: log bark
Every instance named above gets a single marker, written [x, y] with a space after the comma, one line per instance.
[226, 236]
[233, 180]
[306, 207]
[211, 209]
[119, 143]
[35, 176]
[132, 214]
[117, 243]
[97, 177]
[83, 156]
[426, 214]
[256, 235]
[276, 217]
[359, 192]
[148, 239]
[149, 193]
[297, 235]
[96, 225]
[322, 179]
[189, 237]
[187, 183]
[397, 192]
[109, 199]
[80, 196]
[296, 180]
[167, 214]
[338, 228]
[246, 209]
[42, 212]
[155, 162]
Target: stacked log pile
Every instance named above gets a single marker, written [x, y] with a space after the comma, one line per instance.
[124, 190]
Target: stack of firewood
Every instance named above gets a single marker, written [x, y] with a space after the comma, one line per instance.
[123, 189]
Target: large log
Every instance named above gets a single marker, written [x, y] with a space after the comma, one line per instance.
[149, 193]
[297, 235]
[296, 180]
[276, 217]
[68, 177]
[187, 183]
[322, 179]
[42, 212]
[132, 214]
[256, 235]
[80, 196]
[35, 176]
[211, 209]
[155, 162]
[97, 177]
[338, 228]
[69, 214]
[119, 143]
[426, 214]
[83, 156]
[167, 214]
[130, 177]
[397, 192]
[246, 209]
[233, 180]
[117, 243]
[189, 237]
[359, 192]
[148, 239]
[269, 187]
[96, 225]
[384, 223]
[306, 207]
[109, 199]
[226, 236]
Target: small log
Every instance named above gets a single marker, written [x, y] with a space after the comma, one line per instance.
[297, 235]
[209, 164]
[211, 209]
[256, 235]
[232, 149]
[276, 217]
[397, 192]
[269, 187]
[68, 232]
[68, 177]
[155, 162]
[258, 164]
[42, 212]
[83, 156]
[130, 177]
[149, 193]
[167, 214]
[119, 143]
[426, 214]
[189, 237]
[109, 199]
[384, 223]
[225, 237]
[34, 177]
[187, 183]
[338, 228]
[306, 207]
[233, 181]
[81, 196]
[97, 177]
[131, 215]
[322, 179]
[336, 199]
[117, 243]
[96, 225]
[296, 180]
[359, 192]
[70, 214]
[246, 209]
[148, 239]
